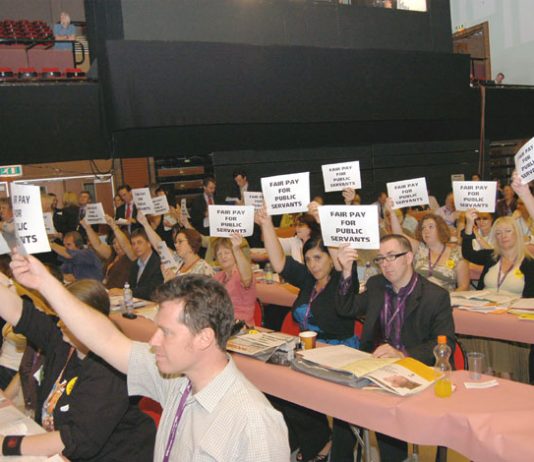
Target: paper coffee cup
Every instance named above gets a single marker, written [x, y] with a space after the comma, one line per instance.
[308, 339]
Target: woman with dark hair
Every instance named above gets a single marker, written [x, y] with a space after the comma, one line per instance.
[433, 258]
[314, 309]
[83, 402]
[306, 227]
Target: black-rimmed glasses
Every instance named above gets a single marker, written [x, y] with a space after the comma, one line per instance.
[391, 257]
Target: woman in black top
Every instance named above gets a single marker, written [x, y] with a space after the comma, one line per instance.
[314, 309]
[82, 401]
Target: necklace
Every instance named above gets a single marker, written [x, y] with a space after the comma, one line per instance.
[431, 265]
[500, 280]
[185, 269]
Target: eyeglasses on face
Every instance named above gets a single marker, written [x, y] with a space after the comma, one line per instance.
[392, 257]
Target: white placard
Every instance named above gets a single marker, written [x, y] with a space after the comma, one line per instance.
[353, 224]
[166, 258]
[94, 214]
[286, 193]
[183, 208]
[143, 201]
[342, 175]
[524, 162]
[48, 219]
[408, 193]
[28, 217]
[253, 198]
[160, 205]
[226, 220]
[457, 177]
[479, 195]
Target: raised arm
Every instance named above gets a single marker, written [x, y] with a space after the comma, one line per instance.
[462, 275]
[11, 306]
[102, 249]
[123, 241]
[523, 191]
[91, 327]
[60, 250]
[270, 240]
[153, 237]
[243, 264]
[396, 226]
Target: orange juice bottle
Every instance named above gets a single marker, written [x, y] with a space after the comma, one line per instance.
[442, 352]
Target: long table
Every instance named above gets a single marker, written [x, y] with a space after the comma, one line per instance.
[484, 425]
[496, 326]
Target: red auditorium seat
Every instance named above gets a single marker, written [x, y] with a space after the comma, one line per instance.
[74, 73]
[289, 326]
[27, 73]
[6, 73]
[51, 73]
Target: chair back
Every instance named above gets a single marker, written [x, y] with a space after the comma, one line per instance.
[258, 314]
[459, 357]
[289, 326]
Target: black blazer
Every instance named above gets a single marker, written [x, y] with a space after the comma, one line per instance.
[150, 279]
[121, 213]
[199, 208]
[428, 314]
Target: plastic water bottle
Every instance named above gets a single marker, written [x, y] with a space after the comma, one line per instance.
[268, 273]
[128, 302]
[442, 352]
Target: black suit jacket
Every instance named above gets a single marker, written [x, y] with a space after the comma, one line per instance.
[120, 212]
[150, 279]
[199, 208]
[428, 314]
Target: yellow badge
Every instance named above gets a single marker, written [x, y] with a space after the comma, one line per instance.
[253, 331]
[70, 385]
[518, 273]
[450, 264]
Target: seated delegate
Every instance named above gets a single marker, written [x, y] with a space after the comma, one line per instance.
[83, 403]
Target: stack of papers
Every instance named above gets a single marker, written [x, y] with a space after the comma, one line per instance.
[261, 345]
[117, 301]
[483, 301]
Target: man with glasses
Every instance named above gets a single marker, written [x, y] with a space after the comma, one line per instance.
[404, 313]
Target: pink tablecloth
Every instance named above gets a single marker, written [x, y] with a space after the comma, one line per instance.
[485, 425]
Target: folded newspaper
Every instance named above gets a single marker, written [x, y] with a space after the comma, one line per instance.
[262, 345]
[482, 300]
[348, 366]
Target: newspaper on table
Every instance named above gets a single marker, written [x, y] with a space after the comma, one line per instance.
[342, 175]
[356, 225]
[479, 195]
[261, 345]
[524, 162]
[94, 214]
[408, 193]
[405, 376]
[483, 301]
[286, 193]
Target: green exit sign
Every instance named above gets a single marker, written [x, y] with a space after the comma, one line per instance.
[11, 170]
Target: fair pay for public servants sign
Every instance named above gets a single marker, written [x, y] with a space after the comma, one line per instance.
[356, 225]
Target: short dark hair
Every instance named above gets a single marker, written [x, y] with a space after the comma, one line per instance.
[139, 232]
[308, 220]
[207, 180]
[239, 172]
[402, 240]
[86, 192]
[78, 239]
[92, 293]
[124, 186]
[194, 238]
[206, 304]
[314, 242]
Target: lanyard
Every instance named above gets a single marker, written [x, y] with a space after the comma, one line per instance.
[175, 422]
[432, 266]
[500, 280]
[313, 296]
